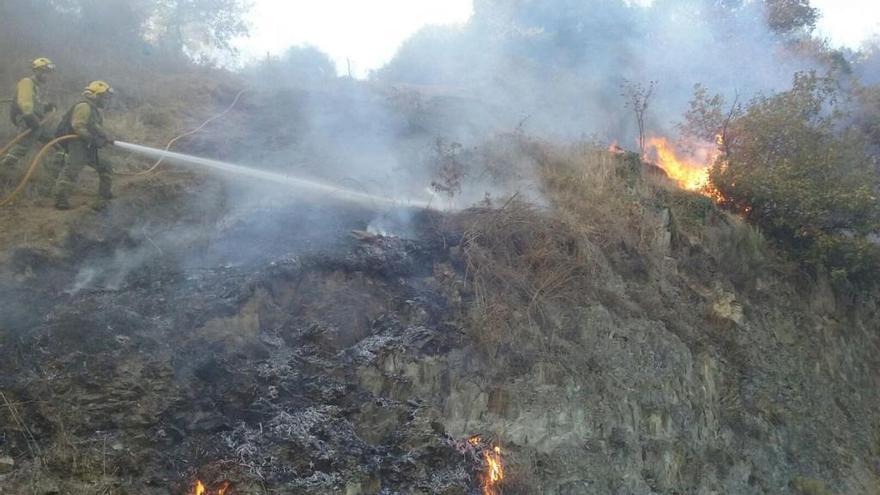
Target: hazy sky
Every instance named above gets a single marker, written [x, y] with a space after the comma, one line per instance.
[369, 31]
[366, 31]
[849, 22]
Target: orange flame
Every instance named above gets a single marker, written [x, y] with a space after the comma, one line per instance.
[201, 490]
[495, 473]
[690, 173]
[615, 149]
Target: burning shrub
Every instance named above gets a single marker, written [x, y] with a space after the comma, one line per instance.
[789, 169]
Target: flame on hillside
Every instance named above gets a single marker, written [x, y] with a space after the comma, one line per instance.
[492, 464]
[200, 489]
[494, 471]
[691, 173]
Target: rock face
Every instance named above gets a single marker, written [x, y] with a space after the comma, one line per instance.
[138, 363]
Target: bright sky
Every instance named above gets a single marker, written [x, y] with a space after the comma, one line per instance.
[369, 31]
[849, 22]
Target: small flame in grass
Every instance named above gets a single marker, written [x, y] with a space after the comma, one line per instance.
[495, 474]
[616, 149]
[201, 490]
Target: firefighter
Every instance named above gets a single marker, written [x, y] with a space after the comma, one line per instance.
[86, 121]
[27, 113]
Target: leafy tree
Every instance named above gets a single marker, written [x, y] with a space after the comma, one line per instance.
[195, 26]
[867, 64]
[709, 118]
[299, 64]
[789, 17]
[813, 187]
[434, 55]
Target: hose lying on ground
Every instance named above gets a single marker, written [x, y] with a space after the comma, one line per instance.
[33, 167]
[190, 133]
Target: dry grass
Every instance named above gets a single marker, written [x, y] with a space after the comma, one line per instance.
[531, 267]
[525, 266]
[603, 194]
[14, 414]
[528, 265]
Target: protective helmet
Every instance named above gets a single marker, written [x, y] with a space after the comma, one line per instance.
[43, 64]
[98, 88]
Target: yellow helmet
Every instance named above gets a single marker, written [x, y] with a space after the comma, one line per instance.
[43, 63]
[98, 88]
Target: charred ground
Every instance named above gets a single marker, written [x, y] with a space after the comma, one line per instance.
[150, 369]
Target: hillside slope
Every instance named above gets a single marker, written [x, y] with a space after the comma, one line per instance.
[611, 334]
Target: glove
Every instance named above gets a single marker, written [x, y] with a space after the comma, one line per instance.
[32, 121]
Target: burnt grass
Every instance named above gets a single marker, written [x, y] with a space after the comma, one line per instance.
[138, 363]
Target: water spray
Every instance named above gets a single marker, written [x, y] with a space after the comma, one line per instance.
[298, 183]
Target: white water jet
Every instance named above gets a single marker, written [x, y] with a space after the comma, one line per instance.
[341, 193]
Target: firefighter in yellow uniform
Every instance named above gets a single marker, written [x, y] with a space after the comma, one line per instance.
[27, 113]
[86, 121]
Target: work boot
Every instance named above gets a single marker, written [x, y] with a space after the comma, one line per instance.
[62, 203]
[104, 191]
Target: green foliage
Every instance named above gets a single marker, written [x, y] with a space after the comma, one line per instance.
[812, 187]
[709, 116]
[867, 113]
[198, 26]
[194, 27]
[690, 209]
[299, 65]
[791, 16]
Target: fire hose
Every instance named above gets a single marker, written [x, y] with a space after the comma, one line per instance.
[190, 133]
[9, 199]
[23, 135]
[33, 167]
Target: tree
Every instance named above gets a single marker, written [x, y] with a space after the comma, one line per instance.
[198, 26]
[298, 65]
[808, 184]
[788, 17]
[867, 64]
[638, 99]
[709, 118]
